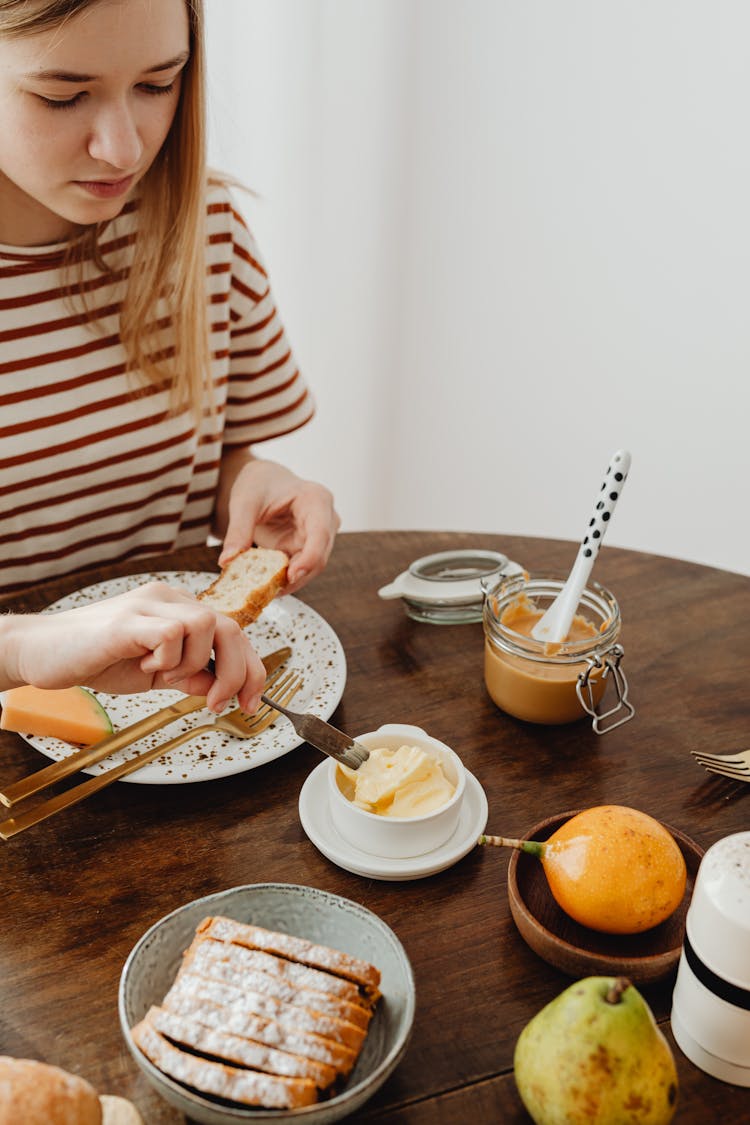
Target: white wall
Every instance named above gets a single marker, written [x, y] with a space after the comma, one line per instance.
[507, 237]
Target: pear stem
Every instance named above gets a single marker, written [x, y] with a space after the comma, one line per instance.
[532, 847]
[614, 995]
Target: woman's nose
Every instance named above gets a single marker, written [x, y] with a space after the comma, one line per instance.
[115, 139]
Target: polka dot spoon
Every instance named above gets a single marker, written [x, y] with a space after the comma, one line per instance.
[553, 626]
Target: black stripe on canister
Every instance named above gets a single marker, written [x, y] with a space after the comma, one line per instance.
[732, 993]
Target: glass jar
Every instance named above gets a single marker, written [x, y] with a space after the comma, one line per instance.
[553, 683]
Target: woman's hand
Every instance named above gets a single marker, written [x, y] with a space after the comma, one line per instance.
[264, 503]
[152, 637]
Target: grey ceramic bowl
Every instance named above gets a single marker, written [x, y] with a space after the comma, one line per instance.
[305, 912]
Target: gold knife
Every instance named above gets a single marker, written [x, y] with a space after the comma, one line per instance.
[89, 755]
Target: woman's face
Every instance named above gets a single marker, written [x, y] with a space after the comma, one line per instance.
[84, 110]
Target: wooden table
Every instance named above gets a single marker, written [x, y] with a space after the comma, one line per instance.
[81, 888]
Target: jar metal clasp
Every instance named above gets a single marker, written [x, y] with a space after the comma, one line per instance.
[611, 664]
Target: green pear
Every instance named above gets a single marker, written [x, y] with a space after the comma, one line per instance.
[594, 1055]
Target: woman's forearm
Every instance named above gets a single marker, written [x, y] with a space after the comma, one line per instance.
[10, 625]
[233, 460]
[154, 636]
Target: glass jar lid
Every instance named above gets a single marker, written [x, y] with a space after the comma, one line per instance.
[446, 588]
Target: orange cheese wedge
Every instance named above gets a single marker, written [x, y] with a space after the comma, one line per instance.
[72, 714]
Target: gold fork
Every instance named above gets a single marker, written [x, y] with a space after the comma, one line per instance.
[236, 723]
[729, 765]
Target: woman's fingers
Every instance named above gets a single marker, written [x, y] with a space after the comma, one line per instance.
[153, 636]
[270, 505]
[238, 670]
[183, 636]
[319, 534]
[187, 638]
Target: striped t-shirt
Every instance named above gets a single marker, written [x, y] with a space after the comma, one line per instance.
[92, 473]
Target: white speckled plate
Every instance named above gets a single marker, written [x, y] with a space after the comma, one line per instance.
[316, 653]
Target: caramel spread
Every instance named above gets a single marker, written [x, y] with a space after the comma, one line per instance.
[522, 615]
[539, 688]
[397, 783]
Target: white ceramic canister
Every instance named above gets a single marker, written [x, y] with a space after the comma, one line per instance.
[711, 1000]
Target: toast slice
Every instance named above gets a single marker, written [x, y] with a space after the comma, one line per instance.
[333, 961]
[199, 1002]
[288, 1017]
[274, 977]
[238, 1049]
[247, 584]
[261, 1018]
[248, 1087]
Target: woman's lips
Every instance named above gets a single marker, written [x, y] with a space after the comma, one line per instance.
[106, 189]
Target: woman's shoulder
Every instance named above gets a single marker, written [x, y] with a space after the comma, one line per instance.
[222, 205]
[219, 196]
[224, 214]
[229, 238]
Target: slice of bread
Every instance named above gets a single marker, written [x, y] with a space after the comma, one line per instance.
[247, 584]
[259, 1017]
[248, 1087]
[200, 1000]
[364, 975]
[273, 976]
[288, 1016]
[238, 1049]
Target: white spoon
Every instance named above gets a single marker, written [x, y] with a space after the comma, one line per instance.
[554, 625]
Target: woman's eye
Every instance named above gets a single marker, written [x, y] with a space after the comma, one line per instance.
[150, 89]
[66, 103]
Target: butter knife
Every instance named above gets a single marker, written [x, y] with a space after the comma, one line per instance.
[323, 736]
[89, 755]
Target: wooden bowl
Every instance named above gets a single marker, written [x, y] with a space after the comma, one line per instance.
[575, 949]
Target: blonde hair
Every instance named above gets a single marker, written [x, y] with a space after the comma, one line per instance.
[169, 255]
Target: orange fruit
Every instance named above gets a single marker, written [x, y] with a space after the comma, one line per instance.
[614, 869]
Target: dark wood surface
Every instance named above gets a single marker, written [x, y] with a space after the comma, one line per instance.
[81, 888]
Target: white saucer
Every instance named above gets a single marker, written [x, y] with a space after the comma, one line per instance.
[317, 823]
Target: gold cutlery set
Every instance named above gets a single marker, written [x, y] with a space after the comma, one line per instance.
[279, 690]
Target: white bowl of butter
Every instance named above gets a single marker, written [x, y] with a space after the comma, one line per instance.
[405, 800]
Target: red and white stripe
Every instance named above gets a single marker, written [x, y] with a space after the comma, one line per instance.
[95, 470]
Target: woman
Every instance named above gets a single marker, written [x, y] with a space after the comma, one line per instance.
[141, 355]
